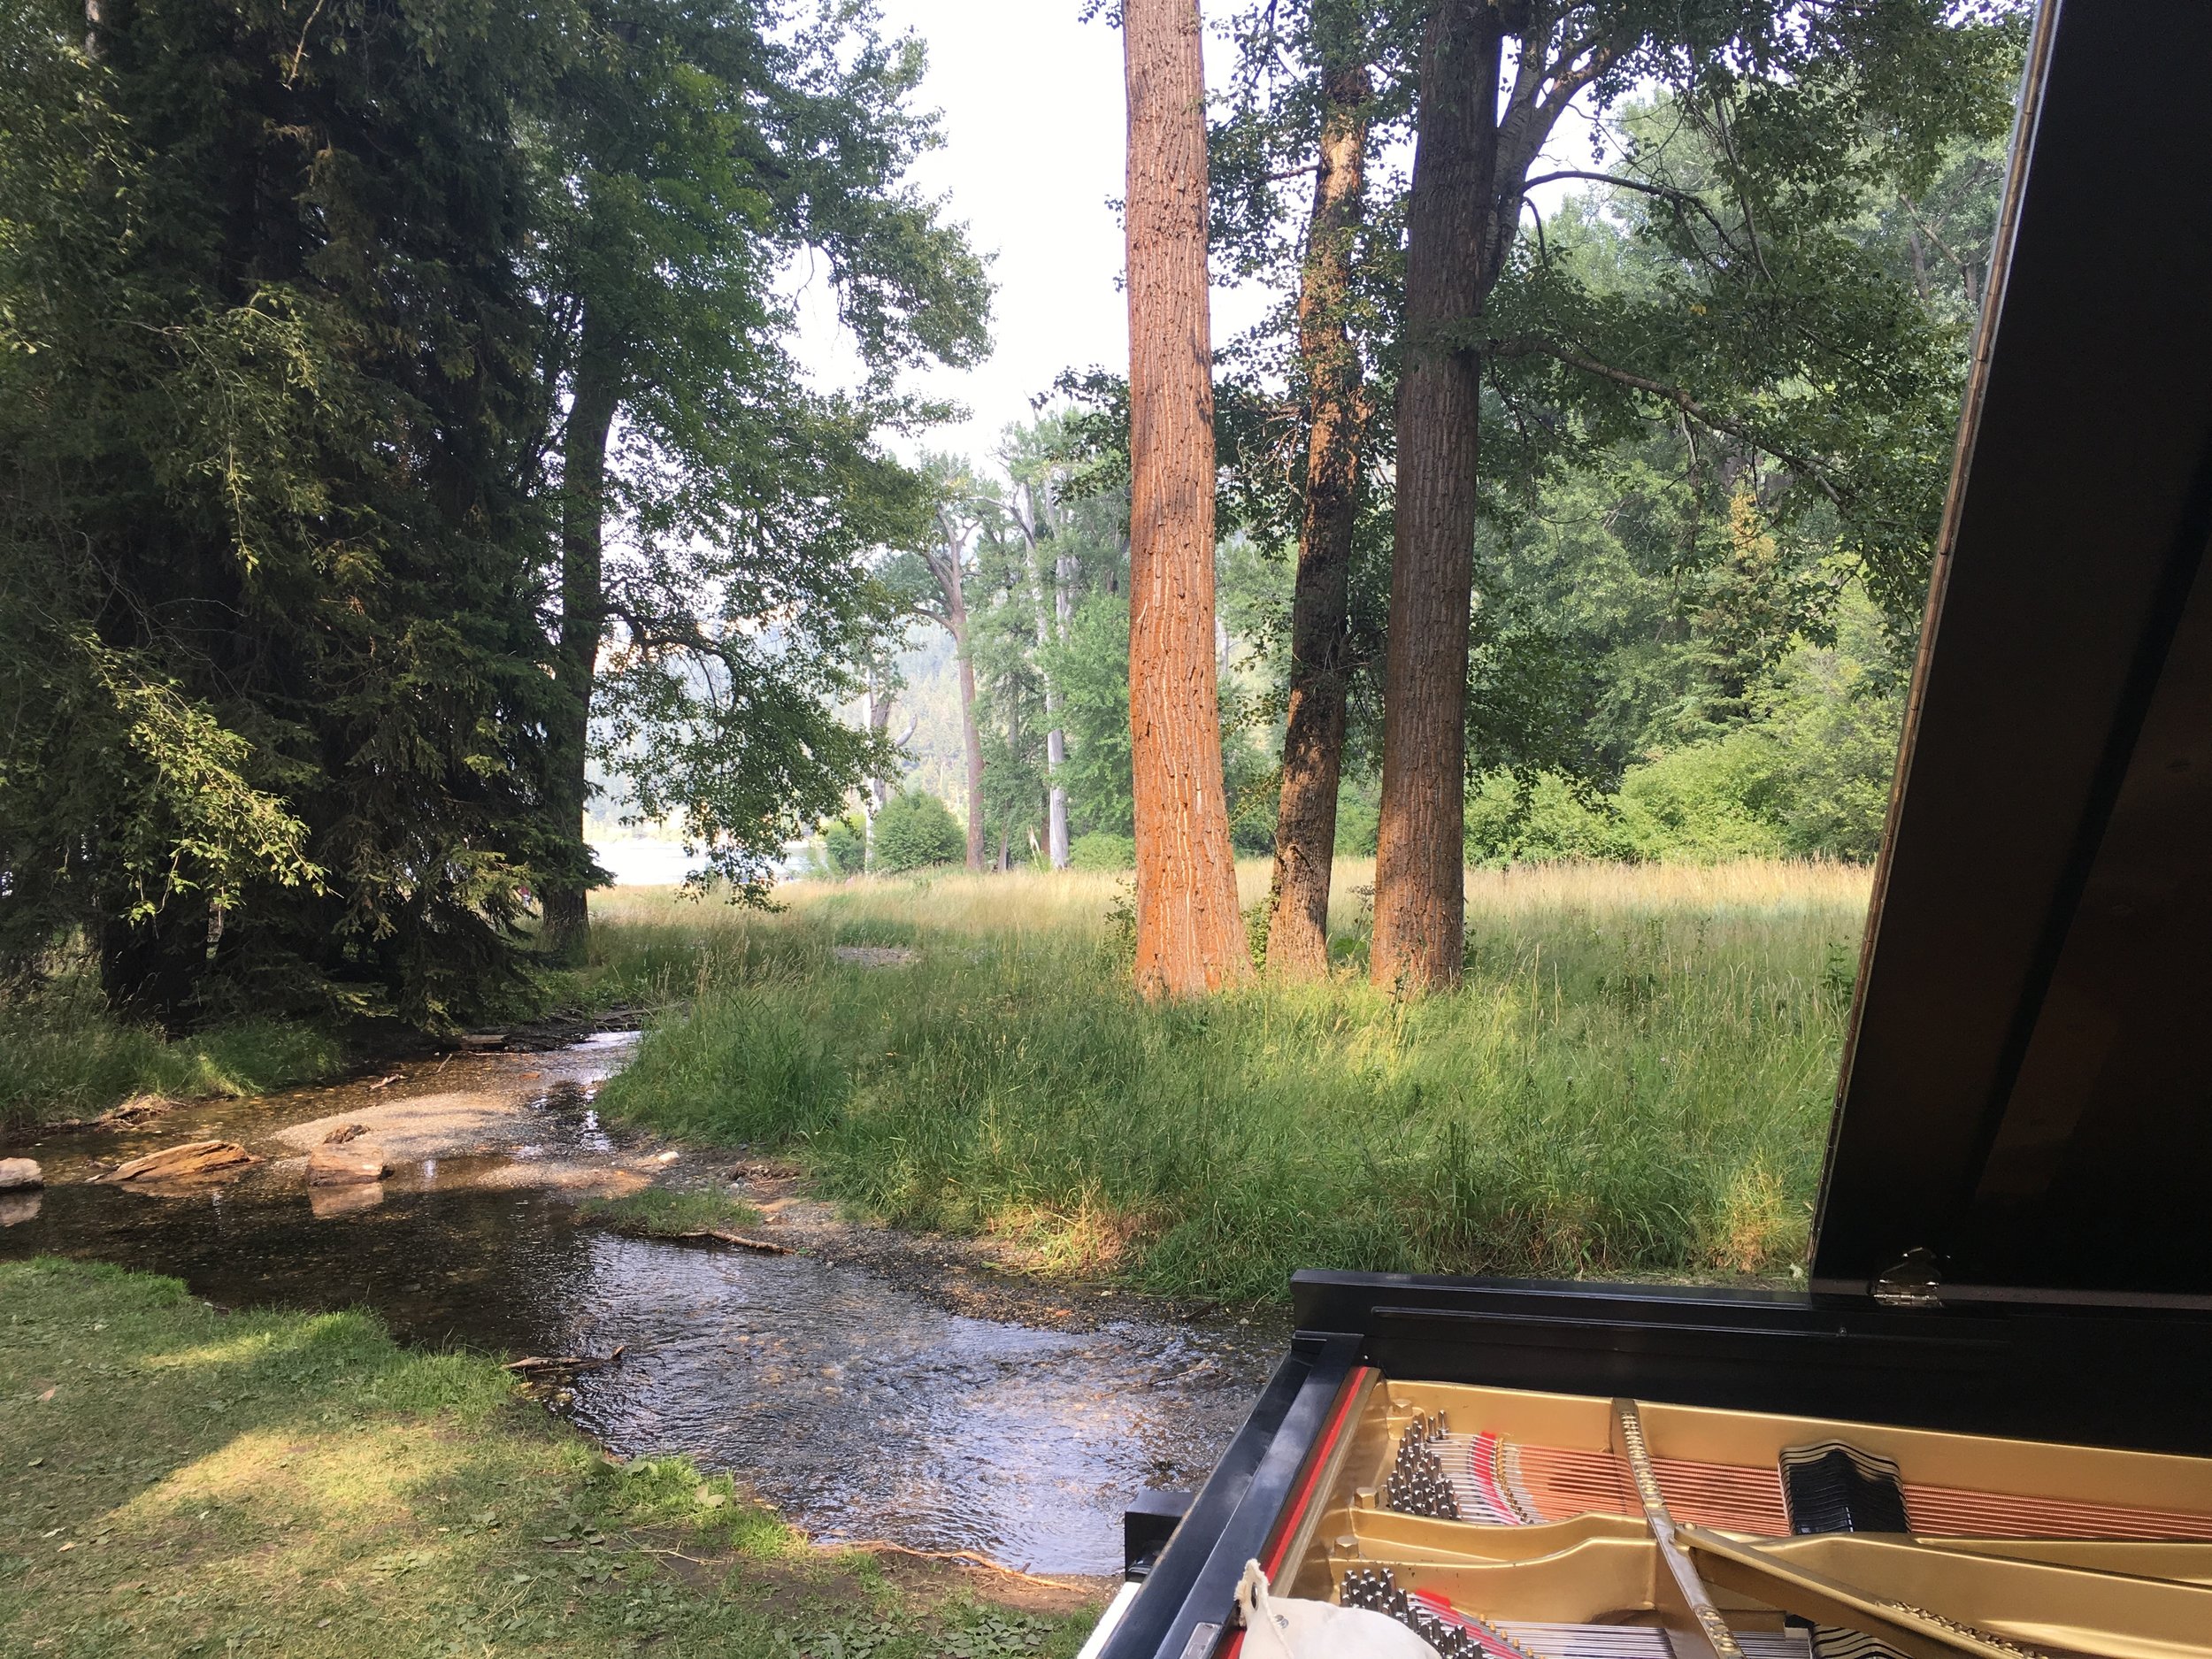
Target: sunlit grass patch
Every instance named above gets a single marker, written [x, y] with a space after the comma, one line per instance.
[1636, 1077]
[177, 1481]
[63, 1055]
[663, 1212]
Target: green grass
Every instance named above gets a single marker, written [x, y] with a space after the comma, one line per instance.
[662, 1212]
[63, 1055]
[174, 1481]
[1636, 1078]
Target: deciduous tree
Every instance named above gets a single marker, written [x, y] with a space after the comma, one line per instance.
[698, 146]
[1798, 106]
[1320, 644]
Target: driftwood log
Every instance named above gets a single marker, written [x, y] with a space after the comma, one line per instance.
[762, 1247]
[536, 1364]
[191, 1160]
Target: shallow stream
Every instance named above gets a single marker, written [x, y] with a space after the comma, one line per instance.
[860, 1408]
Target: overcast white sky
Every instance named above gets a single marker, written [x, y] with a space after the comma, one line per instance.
[1032, 102]
[1032, 106]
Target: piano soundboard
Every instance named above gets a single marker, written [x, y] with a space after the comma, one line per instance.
[1507, 1524]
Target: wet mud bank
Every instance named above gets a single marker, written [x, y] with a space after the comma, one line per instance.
[870, 1385]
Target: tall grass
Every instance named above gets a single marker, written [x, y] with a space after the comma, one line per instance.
[1636, 1077]
[63, 1055]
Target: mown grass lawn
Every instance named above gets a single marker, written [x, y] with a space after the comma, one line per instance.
[1636, 1077]
[178, 1481]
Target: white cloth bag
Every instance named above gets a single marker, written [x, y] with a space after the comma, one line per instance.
[1288, 1628]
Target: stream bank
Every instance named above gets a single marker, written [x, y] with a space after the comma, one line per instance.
[867, 1386]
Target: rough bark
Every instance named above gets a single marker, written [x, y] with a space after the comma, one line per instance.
[194, 1160]
[1034, 533]
[1190, 938]
[956, 619]
[1313, 742]
[1420, 859]
[880, 697]
[969, 734]
[1063, 575]
[596, 394]
[948, 567]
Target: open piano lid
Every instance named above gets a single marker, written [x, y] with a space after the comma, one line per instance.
[2026, 1101]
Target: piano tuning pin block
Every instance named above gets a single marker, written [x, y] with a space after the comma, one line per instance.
[1454, 1635]
[1416, 1484]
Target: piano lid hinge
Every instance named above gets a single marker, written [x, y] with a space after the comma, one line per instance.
[1915, 1282]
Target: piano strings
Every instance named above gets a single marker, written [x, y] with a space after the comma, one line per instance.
[1494, 1481]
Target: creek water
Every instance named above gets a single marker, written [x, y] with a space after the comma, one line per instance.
[857, 1407]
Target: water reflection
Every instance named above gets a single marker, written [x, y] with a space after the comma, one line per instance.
[868, 1412]
[859, 1408]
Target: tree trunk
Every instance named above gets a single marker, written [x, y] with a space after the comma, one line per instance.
[1063, 574]
[879, 700]
[597, 393]
[1056, 738]
[1420, 871]
[1313, 743]
[952, 589]
[1190, 938]
[969, 735]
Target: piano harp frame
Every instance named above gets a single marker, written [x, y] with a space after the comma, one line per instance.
[1938, 1597]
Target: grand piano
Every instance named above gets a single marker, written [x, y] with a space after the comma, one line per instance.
[1985, 1425]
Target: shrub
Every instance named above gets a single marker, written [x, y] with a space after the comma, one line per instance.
[1103, 849]
[1542, 821]
[1709, 802]
[914, 831]
[844, 847]
[1358, 815]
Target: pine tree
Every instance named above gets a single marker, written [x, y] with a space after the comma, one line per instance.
[1189, 933]
[264, 396]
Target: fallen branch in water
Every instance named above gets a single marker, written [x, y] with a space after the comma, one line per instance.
[572, 1362]
[763, 1246]
[133, 1111]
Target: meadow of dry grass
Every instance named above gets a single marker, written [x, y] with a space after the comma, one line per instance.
[1635, 1077]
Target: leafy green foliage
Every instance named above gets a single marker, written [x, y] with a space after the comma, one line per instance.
[1090, 665]
[301, 322]
[1806, 772]
[699, 146]
[915, 831]
[1103, 849]
[1719, 386]
[273, 666]
[844, 846]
